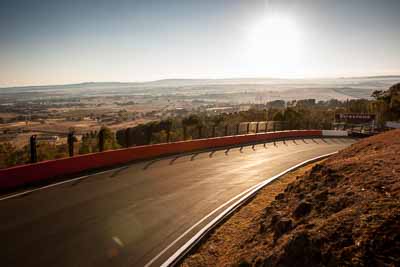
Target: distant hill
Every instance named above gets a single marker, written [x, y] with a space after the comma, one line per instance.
[194, 82]
[376, 77]
[68, 86]
[270, 88]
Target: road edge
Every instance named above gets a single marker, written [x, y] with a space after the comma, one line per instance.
[197, 238]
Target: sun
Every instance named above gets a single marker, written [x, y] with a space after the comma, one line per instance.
[275, 44]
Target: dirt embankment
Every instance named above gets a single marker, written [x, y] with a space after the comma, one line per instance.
[344, 211]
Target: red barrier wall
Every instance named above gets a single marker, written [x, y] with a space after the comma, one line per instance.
[25, 174]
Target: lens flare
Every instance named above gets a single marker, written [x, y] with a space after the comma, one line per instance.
[275, 44]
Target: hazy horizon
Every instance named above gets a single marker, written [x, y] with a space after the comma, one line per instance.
[233, 80]
[67, 42]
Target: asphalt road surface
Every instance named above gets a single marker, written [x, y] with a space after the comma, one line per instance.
[127, 216]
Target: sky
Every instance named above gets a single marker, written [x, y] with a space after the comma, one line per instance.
[71, 41]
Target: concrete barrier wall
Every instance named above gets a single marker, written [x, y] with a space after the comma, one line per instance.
[45, 170]
[393, 124]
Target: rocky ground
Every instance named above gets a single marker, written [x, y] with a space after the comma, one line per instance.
[344, 211]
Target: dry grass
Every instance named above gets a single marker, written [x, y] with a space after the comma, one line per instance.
[222, 244]
[344, 211]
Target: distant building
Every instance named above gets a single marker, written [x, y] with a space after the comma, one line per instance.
[219, 110]
[244, 107]
[48, 138]
[393, 124]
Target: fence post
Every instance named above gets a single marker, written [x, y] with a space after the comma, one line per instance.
[226, 130]
[33, 152]
[184, 133]
[266, 127]
[237, 128]
[248, 127]
[70, 140]
[149, 133]
[257, 126]
[213, 131]
[168, 135]
[101, 140]
[127, 137]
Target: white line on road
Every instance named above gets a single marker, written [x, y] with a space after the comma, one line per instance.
[59, 183]
[115, 169]
[248, 193]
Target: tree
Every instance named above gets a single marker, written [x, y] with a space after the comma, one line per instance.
[109, 141]
[217, 120]
[86, 145]
[192, 120]
[149, 131]
[387, 103]
[278, 116]
[377, 94]
[166, 125]
[7, 155]
[394, 95]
